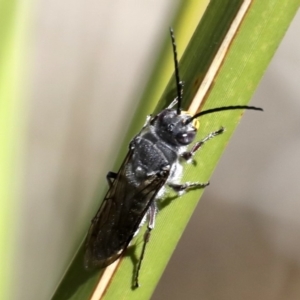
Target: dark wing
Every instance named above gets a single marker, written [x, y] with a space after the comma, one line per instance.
[119, 216]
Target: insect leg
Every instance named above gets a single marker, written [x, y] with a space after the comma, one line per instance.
[111, 176]
[179, 188]
[189, 154]
[151, 224]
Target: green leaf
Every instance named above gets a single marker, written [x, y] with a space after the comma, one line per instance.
[252, 48]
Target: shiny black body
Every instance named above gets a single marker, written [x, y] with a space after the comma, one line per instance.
[152, 162]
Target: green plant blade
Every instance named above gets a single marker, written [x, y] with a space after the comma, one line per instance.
[12, 50]
[254, 44]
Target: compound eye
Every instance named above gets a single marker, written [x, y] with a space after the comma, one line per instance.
[186, 137]
[170, 127]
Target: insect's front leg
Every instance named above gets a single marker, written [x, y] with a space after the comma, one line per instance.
[151, 222]
[189, 154]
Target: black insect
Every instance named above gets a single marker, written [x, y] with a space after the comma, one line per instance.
[152, 163]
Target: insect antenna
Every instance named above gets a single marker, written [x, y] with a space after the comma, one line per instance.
[222, 108]
[179, 83]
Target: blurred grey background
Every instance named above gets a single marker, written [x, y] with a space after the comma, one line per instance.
[90, 62]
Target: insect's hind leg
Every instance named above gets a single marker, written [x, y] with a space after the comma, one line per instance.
[110, 177]
[189, 154]
[151, 223]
